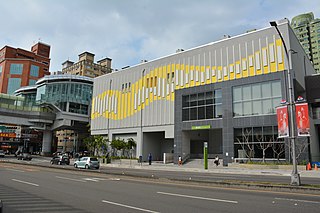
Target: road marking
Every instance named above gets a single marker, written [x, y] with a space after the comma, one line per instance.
[20, 181]
[94, 179]
[15, 170]
[130, 207]
[195, 197]
[303, 201]
[65, 178]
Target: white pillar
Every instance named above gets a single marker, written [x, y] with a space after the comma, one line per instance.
[46, 142]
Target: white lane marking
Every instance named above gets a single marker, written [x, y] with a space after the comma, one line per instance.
[94, 179]
[65, 178]
[195, 197]
[294, 200]
[130, 207]
[15, 170]
[117, 179]
[20, 181]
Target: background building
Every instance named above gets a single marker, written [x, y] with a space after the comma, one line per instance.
[68, 99]
[307, 29]
[84, 67]
[223, 93]
[20, 67]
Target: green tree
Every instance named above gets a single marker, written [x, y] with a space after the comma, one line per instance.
[118, 144]
[95, 143]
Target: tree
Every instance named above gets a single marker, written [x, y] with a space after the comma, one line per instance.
[264, 145]
[118, 144]
[278, 148]
[246, 144]
[95, 143]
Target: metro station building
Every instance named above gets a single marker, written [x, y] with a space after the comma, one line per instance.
[223, 93]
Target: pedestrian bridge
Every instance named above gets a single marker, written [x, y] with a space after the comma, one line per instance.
[45, 117]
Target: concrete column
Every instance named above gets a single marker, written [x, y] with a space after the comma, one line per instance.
[46, 143]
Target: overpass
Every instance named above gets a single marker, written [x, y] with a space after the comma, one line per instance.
[45, 118]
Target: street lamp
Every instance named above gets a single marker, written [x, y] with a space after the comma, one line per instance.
[295, 176]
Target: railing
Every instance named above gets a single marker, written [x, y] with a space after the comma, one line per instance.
[23, 108]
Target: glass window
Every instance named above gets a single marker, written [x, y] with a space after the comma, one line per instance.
[193, 113]
[266, 106]
[247, 108]
[193, 100]
[13, 85]
[237, 94]
[200, 99]
[185, 101]
[202, 106]
[256, 91]
[237, 109]
[218, 111]
[276, 89]
[256, 107]
[34, 71]
[257, 99]
[266, 90]
[201, 113]
[16, 69]
[209, 112]
[246, 91]
[0, 70]
[209, 97]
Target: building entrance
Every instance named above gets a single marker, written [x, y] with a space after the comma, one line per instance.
[196, 139]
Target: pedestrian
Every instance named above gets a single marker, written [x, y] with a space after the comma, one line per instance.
[150, 158]
[216, 160]
[180, 160]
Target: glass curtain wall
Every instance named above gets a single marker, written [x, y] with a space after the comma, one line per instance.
[201, 106]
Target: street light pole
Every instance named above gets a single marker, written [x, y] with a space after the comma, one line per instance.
[295, 176]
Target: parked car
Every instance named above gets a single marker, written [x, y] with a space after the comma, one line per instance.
[2, 153]
[24, 156]
[61, 159]
[87, 163]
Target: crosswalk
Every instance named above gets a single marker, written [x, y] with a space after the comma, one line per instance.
[16, 201]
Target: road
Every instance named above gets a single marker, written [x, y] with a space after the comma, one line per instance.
[26, 188]
[267, 177]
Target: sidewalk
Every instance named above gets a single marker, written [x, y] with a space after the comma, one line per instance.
[233, 169]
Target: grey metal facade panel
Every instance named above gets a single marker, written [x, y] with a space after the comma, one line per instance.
[221, 53]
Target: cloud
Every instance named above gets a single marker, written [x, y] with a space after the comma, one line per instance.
[128, 31]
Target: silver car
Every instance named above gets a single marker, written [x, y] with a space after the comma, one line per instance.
[1, 153]
[87, 163]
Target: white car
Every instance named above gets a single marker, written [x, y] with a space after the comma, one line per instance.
[87, 163]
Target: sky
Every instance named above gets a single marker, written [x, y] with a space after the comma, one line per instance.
[128, 31]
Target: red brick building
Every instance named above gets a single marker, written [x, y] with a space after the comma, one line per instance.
[19, 67]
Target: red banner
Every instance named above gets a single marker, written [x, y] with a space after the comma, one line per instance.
[302, 119]
[283, 127]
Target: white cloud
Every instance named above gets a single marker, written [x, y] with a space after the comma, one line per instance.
[128, 31]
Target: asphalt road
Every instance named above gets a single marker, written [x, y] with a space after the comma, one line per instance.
[26, 188]
[185, 175]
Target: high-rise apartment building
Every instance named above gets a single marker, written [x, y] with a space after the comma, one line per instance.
[86, 66]
[307, 29]
[19, 67]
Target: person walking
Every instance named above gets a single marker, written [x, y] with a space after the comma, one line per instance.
[216, 160]
[150, 158]
[180, 160]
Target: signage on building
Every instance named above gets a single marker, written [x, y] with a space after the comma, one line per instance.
[10, 131]
[302, 119]
[282, 116]
[201, 127]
